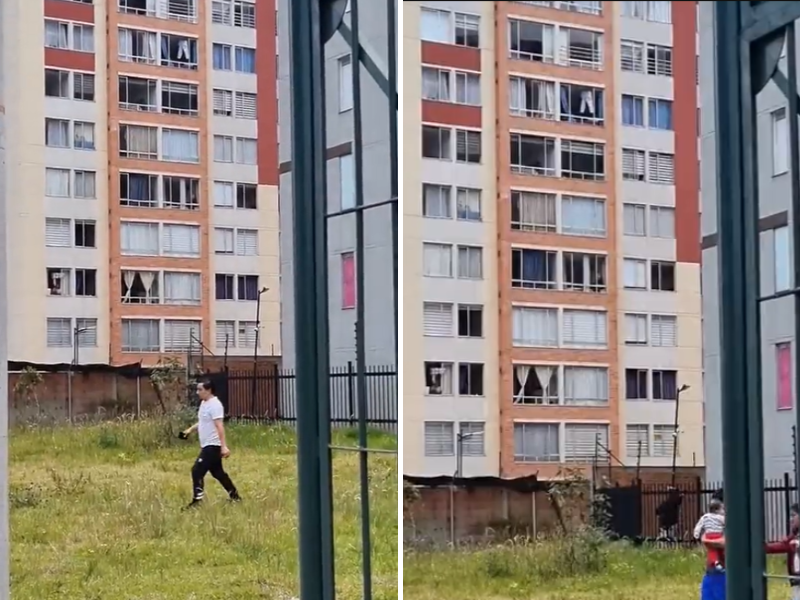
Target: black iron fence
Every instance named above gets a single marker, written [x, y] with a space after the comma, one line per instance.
[275, 399]
[634, 510]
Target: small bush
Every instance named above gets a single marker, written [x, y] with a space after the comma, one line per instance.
[24, 496]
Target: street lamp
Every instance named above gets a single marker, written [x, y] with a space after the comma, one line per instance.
[76, 332]
[681, 389]
[263, 290]
[460, 437]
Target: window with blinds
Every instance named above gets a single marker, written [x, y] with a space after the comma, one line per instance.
[226, 334]
[439, 438]
[83, 86]
[637, 441]
[472, 438]
[58, 233]
[86, 333]
[585, 328]
[223, 240]
[663, 440]
[633, 164]
[247, 334]
[468, 146]
[59, 333]
[246, 106]
[584, 442]
[437, 319]
[663, 330]
[180, 335]
[222, 102]
[661, 167]
[180, 240]
[635, 330]
[247, 242]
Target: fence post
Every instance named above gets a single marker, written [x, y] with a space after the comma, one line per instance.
[351, 392]
[787, 494]
[700, 496]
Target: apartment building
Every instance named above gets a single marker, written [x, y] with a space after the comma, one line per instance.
[141, 178]
[777, 271]
[583, 162]
[342, 255]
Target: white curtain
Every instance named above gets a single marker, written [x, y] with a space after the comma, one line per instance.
[582, 215]
[563, 42]
[547, 98]
[534, 327]
[55, 35]
[224, 240]
[223, 194]
[180, 146]
[147, 278]
[57, 134]
[437, 260]
[660, 12]
[544, 374]
[139, 239]
[57, 183]
[125, 41]
[181, 288]
[585, 385]
[521, 372]
[246, 151]
[517, 94]
[128, 277]
[141, 140]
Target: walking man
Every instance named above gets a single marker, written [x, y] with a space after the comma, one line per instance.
[211, 432]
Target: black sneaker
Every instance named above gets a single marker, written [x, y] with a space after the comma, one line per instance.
[235, 498]
[193, 504]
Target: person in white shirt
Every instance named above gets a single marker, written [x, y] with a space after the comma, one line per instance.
[211, 431]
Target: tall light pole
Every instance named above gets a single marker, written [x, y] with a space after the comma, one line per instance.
[680, 390]
[76, 333]
[263, 290]
[460, 437]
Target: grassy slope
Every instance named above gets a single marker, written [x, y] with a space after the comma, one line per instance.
[96, 515]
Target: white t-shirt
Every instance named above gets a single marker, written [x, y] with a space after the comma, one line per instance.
[210, 410]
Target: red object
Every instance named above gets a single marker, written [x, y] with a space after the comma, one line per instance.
[785, 546]
[714, 556]
[348, 280]
[784, 352]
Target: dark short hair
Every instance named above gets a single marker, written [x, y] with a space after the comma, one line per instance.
[719, 495]
[208, 385]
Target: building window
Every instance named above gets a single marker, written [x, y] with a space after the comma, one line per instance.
[56, 34]
[178, 98]
[221, 57]
[180, 240]
[439, 436]
[471, 438]
[636, 384]
[632, 56]
[664, 437]
[580, 48]
[583, 216]
[584, 272]
[178, 51]
[137, 93]
[660, 114]
[470, 321]
[85, 234]
[224, 285]
[83, 136]
[661, 168]
[138, 189]
[782, 258]
[536, 442]
[436, 143]
[247, 242]
[434, 26]
[141, 335]
[224, 240]
[181, 335]
[435, 84]
[246, 106]
[468, 204]
[470, 379]
[780, 142]
[83, 86]
[247, 151]
[247, 287]
[85, 184]
[632, 111]
[531, 41]
[246, 194]
[59, 282]
[348, 280]
[56, 183]
[585, 328]
[436, 201]
[439, 379]
[470, 262]
[583, 160]
[347, 182]
[662, 276]
[56, 83]
[226, 334]
[182, 193]
[437, 319]
[468, 146]
[534, 327]
[467, 30]
[56, 133]
[659, 11]
[532, 98]
[664, 331]
[634, 218]
[222, 103]
[247, 334]
[59, 333]
[244, 60]
[633, 164]
[182, 289]
[659, 60]
[139, 239]
[86, 283]
[138, 141]
[536, 385]
[533, 269]
[533, 155]
[179, 145]
[86, 333]
[223, 148]
[533, 211]
[437, 260]
[783, 359]
[662, 222]
[665, 385]
[468, 88]
[140, 287]
[224, 194]
[345, 83]
[635, 329]
[585, 386]
[637, 441]
[635, 274]
[581, 104]
[584, 443]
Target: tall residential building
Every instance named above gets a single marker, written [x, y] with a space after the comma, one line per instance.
[551, 236]
[378, 281]
[140, 143]
[777, 316]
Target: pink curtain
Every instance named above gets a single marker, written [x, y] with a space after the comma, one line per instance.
[348, 280]
[784, 359]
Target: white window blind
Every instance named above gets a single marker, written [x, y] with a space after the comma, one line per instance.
[223, 148]
[224, 194]
[585, 328]
[636, 329]
[180, 335]
[246, 106]
[56, 183]
[435, 26]
[180, 240]
[247, 242]
[472, 438]
[583, 216]
[226, 334]
[661, 167]
[223, 240]
[58, 233]
[247, 334]
[59, 333]
[345, 84]
[585, 385]
[663, 330]
[633, 162]
[437, 319]
[139, 239]
[439, 438]
[180, 145]
[86, 334]
[780, 142]
[637, 440]
[663, 440]
[223, 103]
[182, 289]
[635, 273]
[437, 260]
[534, 327]
[581, 442]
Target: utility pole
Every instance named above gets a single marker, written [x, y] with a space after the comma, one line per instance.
[6, 13]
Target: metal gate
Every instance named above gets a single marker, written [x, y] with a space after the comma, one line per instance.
[749, 42]
[312, 24]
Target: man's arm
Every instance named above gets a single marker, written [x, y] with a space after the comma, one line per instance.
[219, 423]
[191, 429]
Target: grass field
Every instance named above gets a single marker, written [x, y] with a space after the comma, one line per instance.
[95, 515]
[543, 573]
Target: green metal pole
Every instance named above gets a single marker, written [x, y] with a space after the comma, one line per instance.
[391, 9]
[310, 291]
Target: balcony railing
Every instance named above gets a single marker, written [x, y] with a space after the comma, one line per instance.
[589, 8]
[173, 10]
[582, 57]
